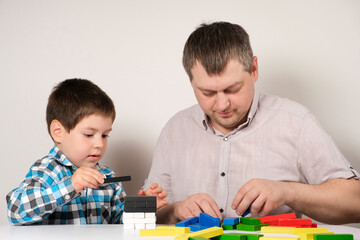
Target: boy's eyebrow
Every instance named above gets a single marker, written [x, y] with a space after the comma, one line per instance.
[95, 129]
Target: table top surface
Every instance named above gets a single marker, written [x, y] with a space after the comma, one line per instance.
[88, 232]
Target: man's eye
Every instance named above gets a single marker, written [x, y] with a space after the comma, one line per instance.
[208, 94]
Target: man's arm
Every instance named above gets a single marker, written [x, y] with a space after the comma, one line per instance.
[334, 202]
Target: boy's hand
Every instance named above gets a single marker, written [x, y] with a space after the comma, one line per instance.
[155, 190]
[86, 177]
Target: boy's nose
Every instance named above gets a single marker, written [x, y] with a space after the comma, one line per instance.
[99, 142]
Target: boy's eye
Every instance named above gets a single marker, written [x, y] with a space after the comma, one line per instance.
[105, 136]
[88, 135]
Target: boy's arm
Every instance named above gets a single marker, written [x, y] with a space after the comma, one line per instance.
[37, 197]
[117, 203]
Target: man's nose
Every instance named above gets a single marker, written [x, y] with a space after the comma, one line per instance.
[222, 101]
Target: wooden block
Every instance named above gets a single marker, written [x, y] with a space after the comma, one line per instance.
[272, 218]
[181, 230]
[295, 222]
[268, 229]
[206, 233]
[198, 238]
[245, 227]
[310, 236]
[309, 230]
[279, 238]
[231, 221]
[250, 221]
[157, 232]
[333, 237]
[207, 220]
[228, 227]
[188, 221]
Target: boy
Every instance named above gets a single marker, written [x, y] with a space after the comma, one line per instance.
[67, 186]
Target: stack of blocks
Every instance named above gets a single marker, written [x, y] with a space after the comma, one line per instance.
[202, 222]
[139, 212]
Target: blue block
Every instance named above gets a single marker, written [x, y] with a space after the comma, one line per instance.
[197, 227]
[207, 220]
[231, 221]
[187, 222]
[247, 211]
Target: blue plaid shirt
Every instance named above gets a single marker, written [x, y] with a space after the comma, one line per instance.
[47, 196]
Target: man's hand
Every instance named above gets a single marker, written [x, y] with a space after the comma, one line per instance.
[86, 177]
[196, 204]
[265, 195]
[155, 190]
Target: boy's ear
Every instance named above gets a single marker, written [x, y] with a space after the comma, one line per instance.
[56, 130]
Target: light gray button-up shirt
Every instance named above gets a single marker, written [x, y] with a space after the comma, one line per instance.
[281, 140]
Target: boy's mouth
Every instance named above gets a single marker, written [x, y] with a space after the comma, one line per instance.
[94, 157]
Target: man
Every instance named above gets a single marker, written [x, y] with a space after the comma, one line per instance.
[238, 147]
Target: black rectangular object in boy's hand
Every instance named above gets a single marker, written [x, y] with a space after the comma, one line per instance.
[117, 179]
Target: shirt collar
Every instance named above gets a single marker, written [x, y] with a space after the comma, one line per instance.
[253, 108]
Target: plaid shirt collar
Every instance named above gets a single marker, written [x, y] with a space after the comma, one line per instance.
[63, 160]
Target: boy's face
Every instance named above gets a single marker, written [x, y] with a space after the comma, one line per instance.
[86, 144]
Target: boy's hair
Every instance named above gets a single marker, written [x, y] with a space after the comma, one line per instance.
[73, 99]
[213, 45]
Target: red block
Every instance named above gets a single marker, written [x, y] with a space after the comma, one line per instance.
[273, 218]
[295, 222]
[314, 225]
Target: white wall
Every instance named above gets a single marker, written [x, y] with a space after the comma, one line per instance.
[308, 51]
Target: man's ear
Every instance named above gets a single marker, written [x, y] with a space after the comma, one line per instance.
[57, 131]
[255, 69]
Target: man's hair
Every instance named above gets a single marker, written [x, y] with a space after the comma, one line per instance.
[213, 45]
[73, 99]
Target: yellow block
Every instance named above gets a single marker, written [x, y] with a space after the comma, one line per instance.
[268, 229]
[309, 230]
[181, 230]
[157, 232]
[310, 236]
[278, 238]
[206, 233]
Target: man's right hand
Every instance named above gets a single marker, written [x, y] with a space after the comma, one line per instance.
[86, 177]
[196, 204]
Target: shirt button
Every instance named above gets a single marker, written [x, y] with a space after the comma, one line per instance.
[225, 139]
[67, 197]
[222, 174]
[221, 210]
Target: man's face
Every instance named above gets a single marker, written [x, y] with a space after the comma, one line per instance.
[86, 144]
[226, 98]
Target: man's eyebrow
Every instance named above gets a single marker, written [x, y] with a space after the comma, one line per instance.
[231, 86]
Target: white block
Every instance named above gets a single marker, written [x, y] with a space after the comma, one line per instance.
[150, 226]
[149, 215]
[139, 215]
[127, 215]
[139, 225]
[140, 220]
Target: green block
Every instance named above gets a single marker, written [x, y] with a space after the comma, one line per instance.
[253, 236]
[333, 237]
[228, 227]
[245, 227]
[250, 221]
[198, 238]
[232, 236]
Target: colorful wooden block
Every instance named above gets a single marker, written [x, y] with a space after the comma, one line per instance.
[228, 227]
[245, 227]
[273, 218]
[207, 220]
[197, 227]
[232, 236]
[198, 238]
[157, 232]
[250, 221]
[310, 236]
[181, 230]
[247, 211]
[268, 229]
[187, 222]
[140, 204]
[333, 237]
[278, 238]
[309, 230]
[231, 221]
[206, 233]
[295, 222]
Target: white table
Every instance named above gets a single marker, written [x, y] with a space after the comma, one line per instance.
[106, 232]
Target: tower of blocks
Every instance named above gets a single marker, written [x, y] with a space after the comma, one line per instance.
[139, 212]
[207, 227]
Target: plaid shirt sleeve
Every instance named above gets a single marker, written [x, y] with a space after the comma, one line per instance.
[39, 194]
[117, 203]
